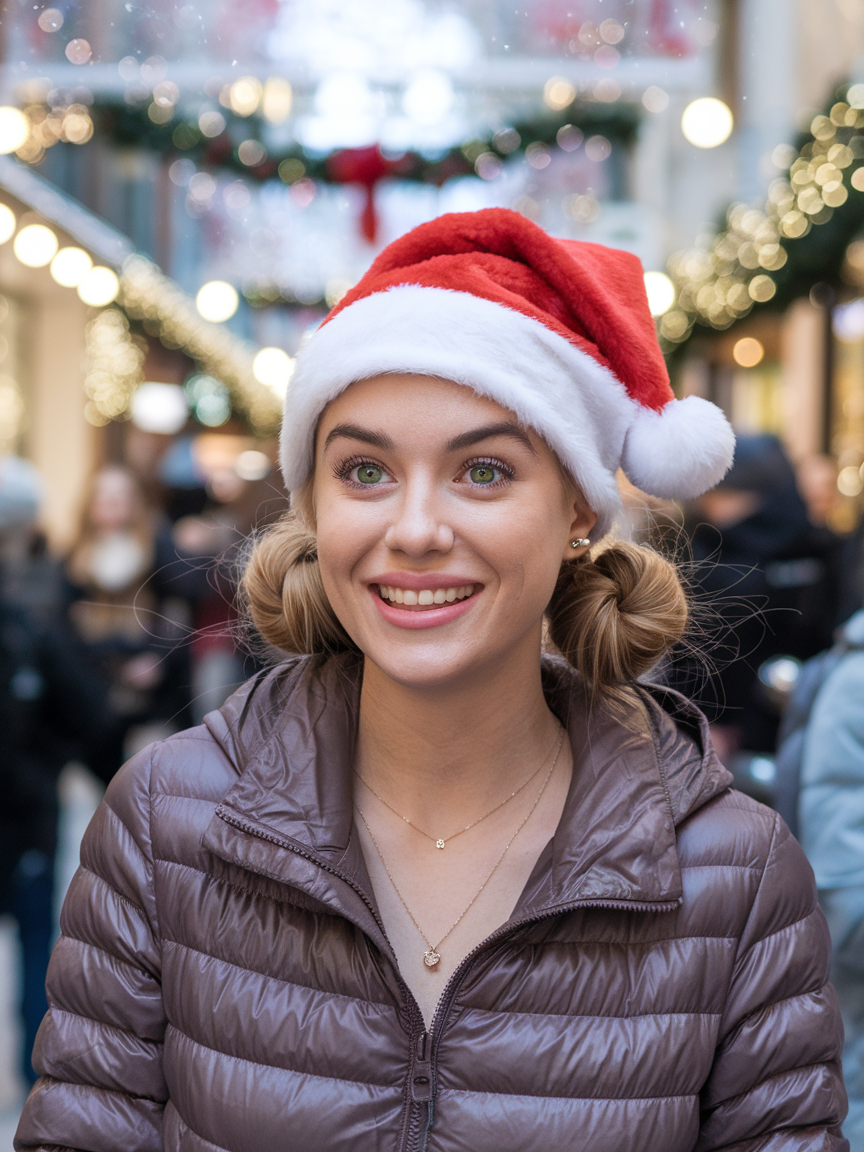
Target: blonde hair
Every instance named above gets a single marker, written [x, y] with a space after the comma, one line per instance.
[613, 615]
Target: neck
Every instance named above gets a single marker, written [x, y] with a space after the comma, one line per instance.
[435, 753]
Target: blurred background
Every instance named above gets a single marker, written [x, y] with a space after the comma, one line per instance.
[186, 189]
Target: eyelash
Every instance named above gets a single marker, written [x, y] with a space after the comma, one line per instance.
[507, 473]
[344, 469]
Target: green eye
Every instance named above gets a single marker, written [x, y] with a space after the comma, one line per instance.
[482, 474]
[369, 474]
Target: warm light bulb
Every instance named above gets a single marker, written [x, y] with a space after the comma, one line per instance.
[70, 266]
[14, 129]
[276, 104]
[99, 287]
[748, 352]
[217, 301]
[35, 245]
[707, 122]
[273, 367]
[7, 223]
[661, 292]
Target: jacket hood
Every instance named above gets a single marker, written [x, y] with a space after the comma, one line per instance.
[638, 773]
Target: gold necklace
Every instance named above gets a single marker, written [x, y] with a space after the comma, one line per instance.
[432, 956]
[439, 841]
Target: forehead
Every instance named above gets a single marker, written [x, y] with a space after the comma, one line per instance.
[404, 405]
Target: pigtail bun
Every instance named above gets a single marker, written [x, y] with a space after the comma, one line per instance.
[284, 594]
[615, 615]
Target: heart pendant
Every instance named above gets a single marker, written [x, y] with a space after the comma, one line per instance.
[430, 957]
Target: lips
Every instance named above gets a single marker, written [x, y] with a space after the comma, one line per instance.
[418, 600]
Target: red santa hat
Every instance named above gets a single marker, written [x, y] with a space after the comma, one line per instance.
[558, 331]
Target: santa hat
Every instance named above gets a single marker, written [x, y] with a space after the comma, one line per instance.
[558, 331]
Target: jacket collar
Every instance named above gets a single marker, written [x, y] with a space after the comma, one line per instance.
[637, 774]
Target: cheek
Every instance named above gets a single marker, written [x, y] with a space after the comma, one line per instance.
[345, 532]
[520, 541]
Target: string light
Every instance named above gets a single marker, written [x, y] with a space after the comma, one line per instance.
[720, 282]
[99, 287]
[707, 122]
[35, 245]
[148, 295]
[70, 266]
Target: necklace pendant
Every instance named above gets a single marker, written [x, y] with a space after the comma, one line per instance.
[439, 843]
[430, 957]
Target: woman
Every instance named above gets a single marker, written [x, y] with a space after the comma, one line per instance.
[423, 888]
[127, 609]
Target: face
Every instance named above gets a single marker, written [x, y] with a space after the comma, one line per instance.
[441, 527]
[115, 500]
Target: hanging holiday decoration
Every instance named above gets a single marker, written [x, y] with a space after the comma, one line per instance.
[235, 140]
[772, 253]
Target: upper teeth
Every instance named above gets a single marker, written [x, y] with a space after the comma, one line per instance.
[426, 595]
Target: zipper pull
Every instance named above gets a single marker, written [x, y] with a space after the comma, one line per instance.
[421, 1072]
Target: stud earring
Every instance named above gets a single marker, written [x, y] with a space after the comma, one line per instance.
[581, 542]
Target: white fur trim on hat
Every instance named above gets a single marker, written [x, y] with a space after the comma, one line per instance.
[577, 405]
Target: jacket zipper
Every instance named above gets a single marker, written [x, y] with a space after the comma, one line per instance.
[418, 1035]
[455, 981]
[423, 1073]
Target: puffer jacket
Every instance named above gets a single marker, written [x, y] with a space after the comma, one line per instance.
[831, 807]
[223, 980]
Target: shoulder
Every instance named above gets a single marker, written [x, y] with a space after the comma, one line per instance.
[743, 853]
[204, 762]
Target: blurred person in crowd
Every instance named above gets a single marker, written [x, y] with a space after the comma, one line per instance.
[768, 581]
[51, 710]
[831, 828]
[817, 482]
[128, 607]
[215, 542]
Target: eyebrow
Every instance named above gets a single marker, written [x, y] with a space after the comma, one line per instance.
[505, 428]
[355, 432]
[457, 444]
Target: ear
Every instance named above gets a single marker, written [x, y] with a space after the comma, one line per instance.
[580, 528]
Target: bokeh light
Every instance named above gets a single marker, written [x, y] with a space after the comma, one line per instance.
[245, 95]
[217, 301]
[70, 266]
[748, 352]
[849, 482]
[51, 20]
[209, 399]
[35, 245]
[252, 465]
[707, 122]
[558, 93]
[159, 408]
[99, 287]
[7, 223]
[661, 292]
[78, 51]
[273, 367]
[277, 100]
[14, 129]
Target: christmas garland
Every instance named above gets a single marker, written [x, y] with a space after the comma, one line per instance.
[768, 256]
[133, 126]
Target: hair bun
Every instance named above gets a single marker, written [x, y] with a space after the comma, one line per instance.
[614, 616]
[284, 593]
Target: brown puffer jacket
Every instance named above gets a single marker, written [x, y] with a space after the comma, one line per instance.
[223, 980]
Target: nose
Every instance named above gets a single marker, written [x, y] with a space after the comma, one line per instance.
[419, 525]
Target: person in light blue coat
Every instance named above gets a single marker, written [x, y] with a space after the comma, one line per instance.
[831, 813]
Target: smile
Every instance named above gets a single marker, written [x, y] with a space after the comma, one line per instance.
[424, 597]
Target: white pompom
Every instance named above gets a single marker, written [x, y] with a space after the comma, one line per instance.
[679, 452]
